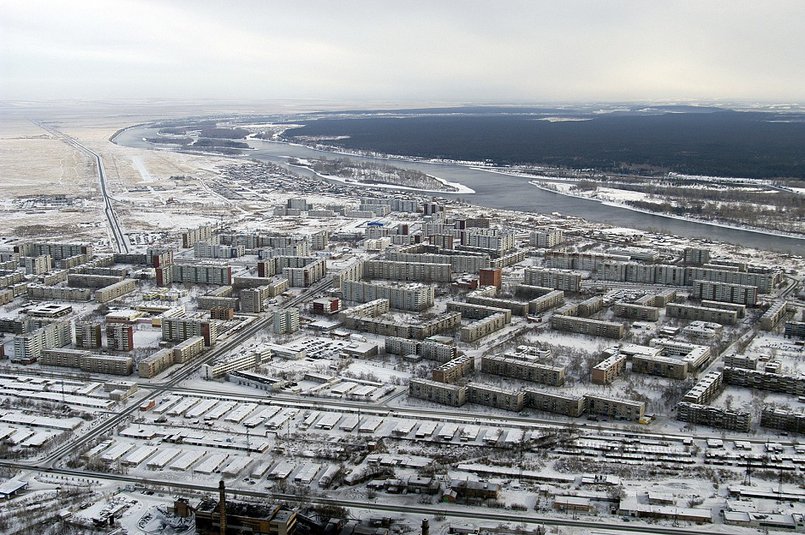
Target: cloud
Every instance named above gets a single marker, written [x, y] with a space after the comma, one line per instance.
[448, 50]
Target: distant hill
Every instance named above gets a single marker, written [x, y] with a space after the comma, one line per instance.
[683, 139]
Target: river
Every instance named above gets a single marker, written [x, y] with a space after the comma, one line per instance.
[495, 190]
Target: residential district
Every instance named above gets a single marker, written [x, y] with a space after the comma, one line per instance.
[399, 363]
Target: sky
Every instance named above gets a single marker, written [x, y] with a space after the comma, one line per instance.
[404, 51]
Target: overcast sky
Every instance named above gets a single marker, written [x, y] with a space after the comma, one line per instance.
[438, 50]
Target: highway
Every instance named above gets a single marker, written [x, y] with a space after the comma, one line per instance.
[457, 511]
[121, 243]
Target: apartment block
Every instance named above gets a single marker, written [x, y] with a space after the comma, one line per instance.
[606, 329]
[610, 368]
[497, 398]
[773, 315]
[201, 273]
[713, 416]
[120, 336]
[795, 329]
[180, 329]
[696, 256]
[726, 292]
[184, 351]
[740, 310]
[476, 311]
[37, 265]
[789, 420]
[57, 251]
[637, 312]
[191, 236]
[86, 280]
[568, 281]
[286, 321]
[545, 238]
[252, 300]
[28, 347]
[113, 291]
[740, 361]
[414, 297]
[619, 409]
[87, 334]
[540, 304]
[86, 361]
[478, 329]
[706, 389]
[697, 313]
[523, 369]
[202, 249]
[764, 282]
[762, 380]
[407, 271]
[425, 349]
[519, 308]
[495, 240]
[155, 363]
[658, 365]
[454, 370]
[555, 402]
[442, 393]
[459, 263]
[491, 277]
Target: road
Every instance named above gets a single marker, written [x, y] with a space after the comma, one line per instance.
[180, 375]
[121, 243]
[455, 511]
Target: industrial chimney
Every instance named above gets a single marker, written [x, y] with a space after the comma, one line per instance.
[222, 506]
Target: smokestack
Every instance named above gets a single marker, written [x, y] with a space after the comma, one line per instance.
[222, 506]
[425, 527]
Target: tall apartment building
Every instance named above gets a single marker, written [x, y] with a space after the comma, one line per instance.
[87, 334]
[727, 292]
[407, 271]
[120, 336]
[191, 236]
[415, 297]
[203, 249]
[155, 363]
[568, 281]
[490, 277]
[547, 237]
[494, 240]
[696, 256]
[286, 321]
[765, 282]
[180, 329]
[707, 388]
[37, 265]
[28, 347]
[201, 273]
[57, 251]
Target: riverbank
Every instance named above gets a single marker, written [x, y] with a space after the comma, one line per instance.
[670, 216]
